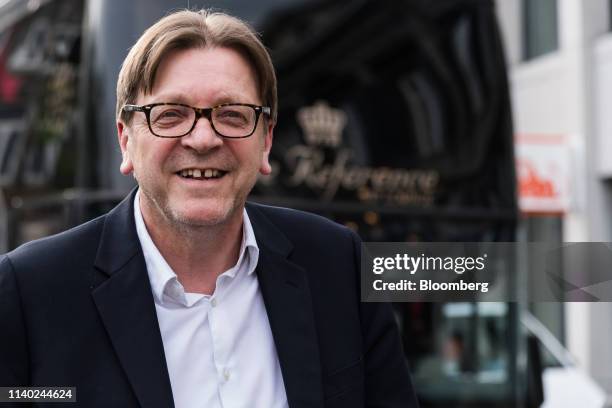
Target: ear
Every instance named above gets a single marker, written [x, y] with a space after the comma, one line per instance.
[265, 168]
[126, 166]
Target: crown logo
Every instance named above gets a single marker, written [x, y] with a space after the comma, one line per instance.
[322, 124]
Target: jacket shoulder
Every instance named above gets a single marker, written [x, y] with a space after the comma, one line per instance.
[60, 249]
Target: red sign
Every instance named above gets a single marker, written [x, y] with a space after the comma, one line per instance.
[543, 172]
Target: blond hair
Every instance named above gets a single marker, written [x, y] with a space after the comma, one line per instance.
[188, 29]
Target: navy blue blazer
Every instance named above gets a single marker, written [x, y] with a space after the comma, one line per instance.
[76, 309]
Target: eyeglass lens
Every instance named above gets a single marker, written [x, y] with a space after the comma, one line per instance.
[177, 120]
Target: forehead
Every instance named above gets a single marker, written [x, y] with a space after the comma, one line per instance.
[203, 77]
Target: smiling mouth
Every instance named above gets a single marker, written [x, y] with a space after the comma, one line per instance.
[201, 174]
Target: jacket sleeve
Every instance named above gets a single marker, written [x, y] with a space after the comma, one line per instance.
[387, 380]
[14, 367]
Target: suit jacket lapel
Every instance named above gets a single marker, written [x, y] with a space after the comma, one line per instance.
[284, 287]
[125, 303]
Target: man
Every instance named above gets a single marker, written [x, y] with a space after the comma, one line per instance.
[183, 295]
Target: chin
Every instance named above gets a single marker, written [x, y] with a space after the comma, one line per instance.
[203, 215]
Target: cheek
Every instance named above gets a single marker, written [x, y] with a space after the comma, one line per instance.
[247, 154]
[150, 156]
[158, 149]
[255, 158]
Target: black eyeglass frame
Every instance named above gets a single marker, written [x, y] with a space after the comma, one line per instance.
[199, 113]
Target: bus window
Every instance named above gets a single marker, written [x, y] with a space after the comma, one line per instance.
[462, 357]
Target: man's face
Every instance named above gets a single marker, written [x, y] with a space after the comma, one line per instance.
[200, 77]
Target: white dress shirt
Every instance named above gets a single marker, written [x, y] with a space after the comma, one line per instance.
[219, 348]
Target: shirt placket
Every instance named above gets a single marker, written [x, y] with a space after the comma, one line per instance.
[221, 341]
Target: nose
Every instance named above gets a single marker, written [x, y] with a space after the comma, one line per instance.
[202, 137]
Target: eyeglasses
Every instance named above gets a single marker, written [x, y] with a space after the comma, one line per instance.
[229, 120]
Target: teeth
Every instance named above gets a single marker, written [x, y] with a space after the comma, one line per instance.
[197, 173]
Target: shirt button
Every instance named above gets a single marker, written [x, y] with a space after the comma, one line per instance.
[174, 291]
[226, 374]
[213, 302]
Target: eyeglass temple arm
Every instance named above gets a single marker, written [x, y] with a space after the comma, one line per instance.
[133, 108]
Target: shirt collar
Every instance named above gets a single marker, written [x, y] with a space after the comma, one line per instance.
[160, 273]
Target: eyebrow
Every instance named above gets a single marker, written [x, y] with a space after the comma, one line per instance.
[223, 97]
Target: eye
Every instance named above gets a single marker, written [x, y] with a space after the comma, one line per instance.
[231, 114]
[167, 115]
[170, 114]
[234, 115]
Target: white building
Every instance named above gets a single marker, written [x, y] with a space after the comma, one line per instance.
[560, 69]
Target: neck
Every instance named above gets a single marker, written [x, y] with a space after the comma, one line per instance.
[197, 254]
